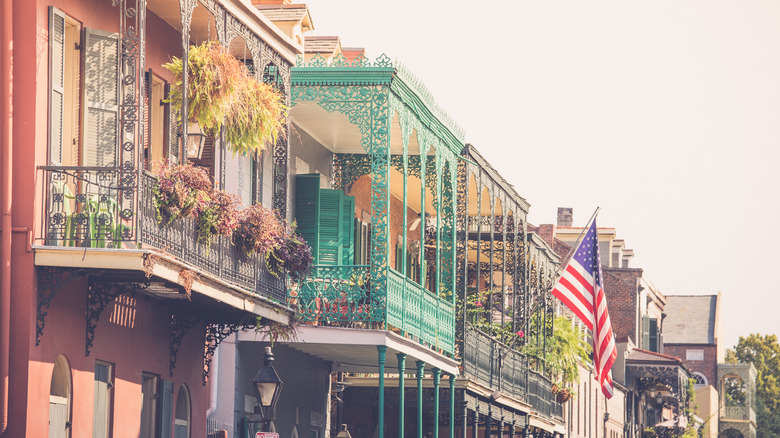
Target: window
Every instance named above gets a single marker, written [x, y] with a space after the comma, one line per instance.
[91, 95]
[699, 379]
[181, 422]
[101, 411]
[691, 354]
[59, 399]
[157, 122]
[149, 392]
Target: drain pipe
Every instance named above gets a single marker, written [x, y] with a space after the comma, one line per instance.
[6, 222]
[214, 384]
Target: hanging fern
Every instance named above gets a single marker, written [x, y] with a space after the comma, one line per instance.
[222, 92]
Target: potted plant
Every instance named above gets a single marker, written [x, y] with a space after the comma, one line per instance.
[179, 186]
[217, 214]
[222, 92]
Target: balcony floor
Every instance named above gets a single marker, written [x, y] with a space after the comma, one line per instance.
[213, 292]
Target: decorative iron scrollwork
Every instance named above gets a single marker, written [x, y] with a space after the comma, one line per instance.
[100, 294]
[181, 323]
[216, 333]
[50, 281]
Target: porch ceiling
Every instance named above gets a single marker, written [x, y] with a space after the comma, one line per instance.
[354, 350]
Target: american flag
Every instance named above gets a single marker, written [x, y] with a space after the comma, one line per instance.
[581, 288]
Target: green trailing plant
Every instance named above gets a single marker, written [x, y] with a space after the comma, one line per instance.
[259, 230]
[562, 352]
[178, 189]
[222, 92]
[217, 215]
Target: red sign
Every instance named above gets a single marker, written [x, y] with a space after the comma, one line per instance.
[266, 435]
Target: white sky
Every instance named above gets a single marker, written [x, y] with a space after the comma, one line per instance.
[666, 114]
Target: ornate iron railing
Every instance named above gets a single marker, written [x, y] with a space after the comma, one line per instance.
[501, 367]
[83, 209]
[342, 295]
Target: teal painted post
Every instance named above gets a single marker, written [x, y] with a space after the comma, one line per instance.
[382, 349]
[423, 270]
[401, 392]
[420, 371]
[436, 382]
[452, 405]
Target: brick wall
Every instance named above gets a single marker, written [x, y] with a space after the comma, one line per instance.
[621, 289]
[708, 366]
[361, 190]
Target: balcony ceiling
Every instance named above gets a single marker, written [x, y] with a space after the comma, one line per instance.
[354, 350]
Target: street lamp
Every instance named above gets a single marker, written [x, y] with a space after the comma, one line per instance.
[267, 386]
[196, 139]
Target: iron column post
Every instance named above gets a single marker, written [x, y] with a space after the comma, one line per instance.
[382, 349]
[401, 390]
[436, 382]
[452, 405]
[420, 371]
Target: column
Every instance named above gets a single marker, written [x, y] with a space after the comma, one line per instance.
[382, 349]
[452, 406]
[436, 382]
[420, 371]
[489, 424]
[475, 426]
[401, 390]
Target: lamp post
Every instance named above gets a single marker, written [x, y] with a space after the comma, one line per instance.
[267, 386]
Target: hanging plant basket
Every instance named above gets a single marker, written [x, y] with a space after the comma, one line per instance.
[222, 92]
[563, 395]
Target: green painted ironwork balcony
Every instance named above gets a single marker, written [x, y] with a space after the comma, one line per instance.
[343, 295]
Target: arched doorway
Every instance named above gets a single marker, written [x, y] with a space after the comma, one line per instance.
[181, 422]
[59, 399]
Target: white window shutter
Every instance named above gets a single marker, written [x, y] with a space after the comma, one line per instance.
[101, 98]
[57, 84]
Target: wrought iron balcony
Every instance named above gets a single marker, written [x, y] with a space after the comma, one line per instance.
[100, 208]
[503, 368]
[343, 295]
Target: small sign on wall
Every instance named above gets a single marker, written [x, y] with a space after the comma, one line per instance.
[266, 435]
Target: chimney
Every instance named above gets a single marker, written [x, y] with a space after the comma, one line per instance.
[546, 232]
[565, 216]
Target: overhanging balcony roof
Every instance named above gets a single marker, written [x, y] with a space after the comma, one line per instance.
[211, 292]
[354, 350]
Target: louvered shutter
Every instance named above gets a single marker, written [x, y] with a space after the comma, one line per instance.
[166, 407]
[101, 98]
[329, 230]
[653, 335]
[101, 408]
[645, 332]
[307, 200]
[347, 231]
[57, 84]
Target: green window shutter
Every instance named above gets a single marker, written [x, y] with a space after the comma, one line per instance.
[307, 200]
[57, 84]
[645, 332]
[347, 232]
[166, 407]
[101, 98]
[653, 335]
[358, 241]
[329, 230]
